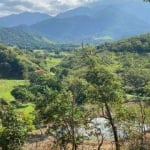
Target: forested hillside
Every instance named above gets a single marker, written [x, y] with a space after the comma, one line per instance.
[23, 39]
[16, 63]
[139, 44]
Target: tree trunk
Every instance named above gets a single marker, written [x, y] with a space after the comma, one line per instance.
[114, 129]
[99, 146]
[74, 146]
[100, 142]
[142, 111]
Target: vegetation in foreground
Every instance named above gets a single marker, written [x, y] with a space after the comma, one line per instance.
[86, 85]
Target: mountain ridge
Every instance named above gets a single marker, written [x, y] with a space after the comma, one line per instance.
[25, 18]
[116, 19]
[93, 22]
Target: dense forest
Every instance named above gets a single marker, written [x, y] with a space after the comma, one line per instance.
[88, 86]
[139, 44]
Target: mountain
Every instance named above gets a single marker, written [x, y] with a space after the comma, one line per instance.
[75, 12]
[26, 18]
[23, 39]
[97, 22]
[94, 9]
[66, 29]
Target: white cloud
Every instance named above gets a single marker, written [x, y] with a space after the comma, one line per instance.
[51, 7]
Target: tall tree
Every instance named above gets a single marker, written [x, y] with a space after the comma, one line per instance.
[106, 90]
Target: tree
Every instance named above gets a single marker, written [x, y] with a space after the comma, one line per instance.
[137, 80]
[22, 94]
[60, 106]
[65, 118]
[106, 90]
[13, 134]
[94, 129]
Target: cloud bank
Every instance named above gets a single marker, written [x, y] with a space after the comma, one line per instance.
[51, 7]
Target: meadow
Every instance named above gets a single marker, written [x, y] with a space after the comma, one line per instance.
[6, 87]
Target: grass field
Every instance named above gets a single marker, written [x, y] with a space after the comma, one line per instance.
[53, 62]
[26, 108]
[6, 87]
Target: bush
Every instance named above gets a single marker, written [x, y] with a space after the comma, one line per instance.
[13, 133]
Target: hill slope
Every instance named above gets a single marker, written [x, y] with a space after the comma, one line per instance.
[23, 39]
[13, 62]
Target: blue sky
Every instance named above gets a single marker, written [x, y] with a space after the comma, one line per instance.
[52, 7]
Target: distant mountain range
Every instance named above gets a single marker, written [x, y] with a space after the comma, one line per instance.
[104, 20]
[25, 18]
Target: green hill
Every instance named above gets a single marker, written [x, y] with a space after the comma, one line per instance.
[15, 63]
[137, 44]
[23, 39]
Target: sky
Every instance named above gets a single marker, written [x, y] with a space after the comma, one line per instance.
[51, 7]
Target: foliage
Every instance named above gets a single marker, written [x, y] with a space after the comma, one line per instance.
[139, 44]
[65, 119]
[21, 93]
[13, 134]
[65, 93]
[13, 63]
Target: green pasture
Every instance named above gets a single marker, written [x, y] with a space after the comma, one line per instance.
[27, 110]
[6, 87]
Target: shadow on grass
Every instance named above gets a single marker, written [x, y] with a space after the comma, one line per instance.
[18, 105]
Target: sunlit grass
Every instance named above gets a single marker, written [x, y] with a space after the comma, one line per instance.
[52, 62]
[26, 108]
[6, 86]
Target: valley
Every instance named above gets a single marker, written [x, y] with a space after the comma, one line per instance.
[53, 75]
[75, 75]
